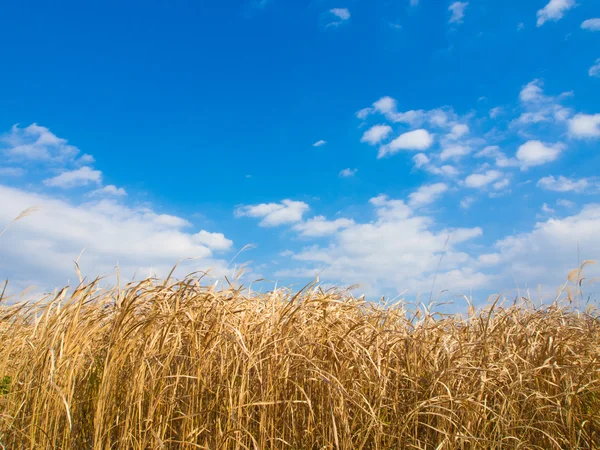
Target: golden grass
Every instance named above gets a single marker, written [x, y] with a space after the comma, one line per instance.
[175, 365]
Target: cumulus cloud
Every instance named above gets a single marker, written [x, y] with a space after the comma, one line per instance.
[274, 214]
[40, 249]
[320, 226]
[539, 107]
[552, 248]
[584, 126]
[458, 130]
[553, 11]
[426, 194]
[422, 161]
[454, 151]
[347, 173]
[479, 180]
[110, 190]
[564, 184]
[489, 259]
[74, 178]
[319, 143]
[36, 143]
[376, 134]
[591, 24]
[412, 140]
[532, 91]
[458, 11]
[398, 250]
[214, 241]
[535, 153]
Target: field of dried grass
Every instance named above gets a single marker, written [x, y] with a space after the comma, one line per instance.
[178, 365]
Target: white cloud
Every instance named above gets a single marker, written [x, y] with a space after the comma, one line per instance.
[320, 226]
[36, 143]
[341, 15]
[495, 112]
[458, 11]
[454, 151]
[489, 259]
[565, 203]
[426, 194]
[445, 170]
[376, 134]
[498, 185]
[547, 210]
[319, 143]
[532, 91]
[466, 202]
[595, 69]
[397, 251]
[585, 126]
[535, 153]
[86, 159]
[364, 113]
[387, 106]
[274, 214]
[591, 24]
[478, 180]
[74, 178]
[214, 241]
[110, 190]
[412, 140]
[420, 160]
[539, 107]
[553, 11]
[491, 151]
[458, 130]
[40, 249]
[564, 184]
[347, 173]
[554, 247]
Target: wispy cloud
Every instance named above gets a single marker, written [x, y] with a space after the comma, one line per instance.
[109, 190]
[426, 194]
[595, 69]
[74, 178]
[458, 11]
[341, 15]
[564, 184]
[347, 173]
[319, 143]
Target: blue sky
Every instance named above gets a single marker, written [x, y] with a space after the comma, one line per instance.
[347, 139]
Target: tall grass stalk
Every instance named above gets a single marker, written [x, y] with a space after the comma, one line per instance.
[177, 365]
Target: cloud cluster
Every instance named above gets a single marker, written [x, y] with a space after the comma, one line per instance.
[41, 248]
[274, 214]
[553, 11]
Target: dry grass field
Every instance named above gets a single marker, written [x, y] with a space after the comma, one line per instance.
[178, 365]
